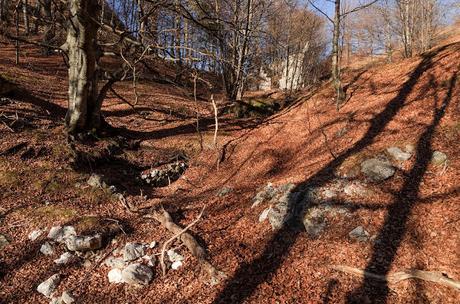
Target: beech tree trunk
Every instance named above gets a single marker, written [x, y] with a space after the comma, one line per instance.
[84, 111]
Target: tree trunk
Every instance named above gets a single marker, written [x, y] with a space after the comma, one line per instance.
[3, 10]
[48, 34]
[26, 16]
[335, 56]
[239, 82]
[37, 16]
[84, 111]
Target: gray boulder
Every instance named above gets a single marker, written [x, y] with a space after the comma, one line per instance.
[84, 243]
[47, 287]
[115, 276]
[359, 234]
[60, 234]
[67, 297]
[377, 169]
[314, 221]
[279, 215]
[46, 249]
[133, 251]
[35, 234]
[65, 258]
[398, 154]
[114, 262]
[137, 274]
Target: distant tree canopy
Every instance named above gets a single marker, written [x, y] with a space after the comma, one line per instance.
[234, 40]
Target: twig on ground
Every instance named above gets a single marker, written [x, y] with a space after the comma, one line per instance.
[125, 204]
[430, 276]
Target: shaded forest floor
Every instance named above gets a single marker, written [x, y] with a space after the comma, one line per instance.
[413, 217]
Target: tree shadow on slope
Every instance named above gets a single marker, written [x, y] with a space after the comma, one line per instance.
[394, 227]
[249, 276]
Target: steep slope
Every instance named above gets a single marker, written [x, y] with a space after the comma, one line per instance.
[413, 214]
[411, 218]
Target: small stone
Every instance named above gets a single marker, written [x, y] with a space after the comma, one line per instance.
[328, 193]
[265, 194]
[409, 148]
[114, 262]
[57, 300]
[174, 256]
[359, 234]
[377, 169]
[153, 244]
[279, 215]
[60, 234]
[65, 258]
[263, 216]
[95, 181]
[67, 298]
[137, 274]
[115, 276]
[87, 264]
[150, 260]
[314, 222]
[47, 249]
[35, 234]
[133, 251]
[47, 287]
[224, 191]
[397, 154]
[438, 158]
[84, 243]
[176, 265]
[3, 241]
[356, 188]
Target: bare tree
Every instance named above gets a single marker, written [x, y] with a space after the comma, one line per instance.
[339, 15]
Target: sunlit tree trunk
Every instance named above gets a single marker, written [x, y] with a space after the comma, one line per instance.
[26, 16]
[84, 105]
[335, 56]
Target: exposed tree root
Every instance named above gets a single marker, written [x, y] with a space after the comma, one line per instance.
[189, 241]
[430, 276]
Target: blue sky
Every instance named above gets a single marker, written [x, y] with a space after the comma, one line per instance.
[450, 11]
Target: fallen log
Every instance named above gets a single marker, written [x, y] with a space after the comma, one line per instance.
[430, 276]
[164, 218]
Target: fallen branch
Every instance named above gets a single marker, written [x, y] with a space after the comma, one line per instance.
[430, 276]
[165, 245]
[189, 241]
